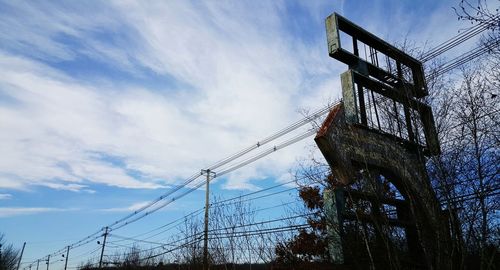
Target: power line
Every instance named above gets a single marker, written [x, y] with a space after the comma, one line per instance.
[213, 204]
[251, 233]
[160, 198]
[257, 223]
[292, 127]
[262, 231]
[188, 191]
[238, 199]
[267, 152]
[197, 236]
[233, 234]
[219, 229]
[456, 40]
[434, 52]
[181, 220]
[224, 202]
[162, 245]
[127, 219]
[464, 58]
[467, 122]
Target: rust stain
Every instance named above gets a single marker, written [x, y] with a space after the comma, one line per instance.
[328, 121]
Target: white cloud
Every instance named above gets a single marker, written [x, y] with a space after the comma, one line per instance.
[69, 187]
[17, 211]
[244, 83]
[52, 126]
[237, 77]
[5, 196]
[131, 208]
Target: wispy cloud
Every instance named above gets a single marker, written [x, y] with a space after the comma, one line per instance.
[131, 208]
[68, 186]
[232, 74]
[5, 196]
[197, 81]
[17, 211]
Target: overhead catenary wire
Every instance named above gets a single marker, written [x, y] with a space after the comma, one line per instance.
[196, 236]
[97, 234]
[473, 195]
[238, 233]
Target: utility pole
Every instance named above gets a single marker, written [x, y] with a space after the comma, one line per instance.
[67, 255]
[209, 175]
[21, 257]
[103, 245]
[37, 263]
[48, 262]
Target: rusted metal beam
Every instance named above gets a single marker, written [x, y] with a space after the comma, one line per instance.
[336, 24]
[351, 78]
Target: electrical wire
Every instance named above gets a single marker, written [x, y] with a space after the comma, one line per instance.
[460, 60]
[267, 152]
[116, 225]
[292, 127]
[464, 58]
[456, 40]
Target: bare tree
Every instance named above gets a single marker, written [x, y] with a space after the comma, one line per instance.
[9, 255]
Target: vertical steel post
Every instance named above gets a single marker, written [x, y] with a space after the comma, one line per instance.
[48, 262]
[103, 245]
[67, 255]
[355, 46]
[37, 263]
[21, 257]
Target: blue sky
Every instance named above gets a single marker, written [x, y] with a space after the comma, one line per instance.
[104, 105]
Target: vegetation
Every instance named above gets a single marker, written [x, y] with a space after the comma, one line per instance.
[9, 256]
[465, 176]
